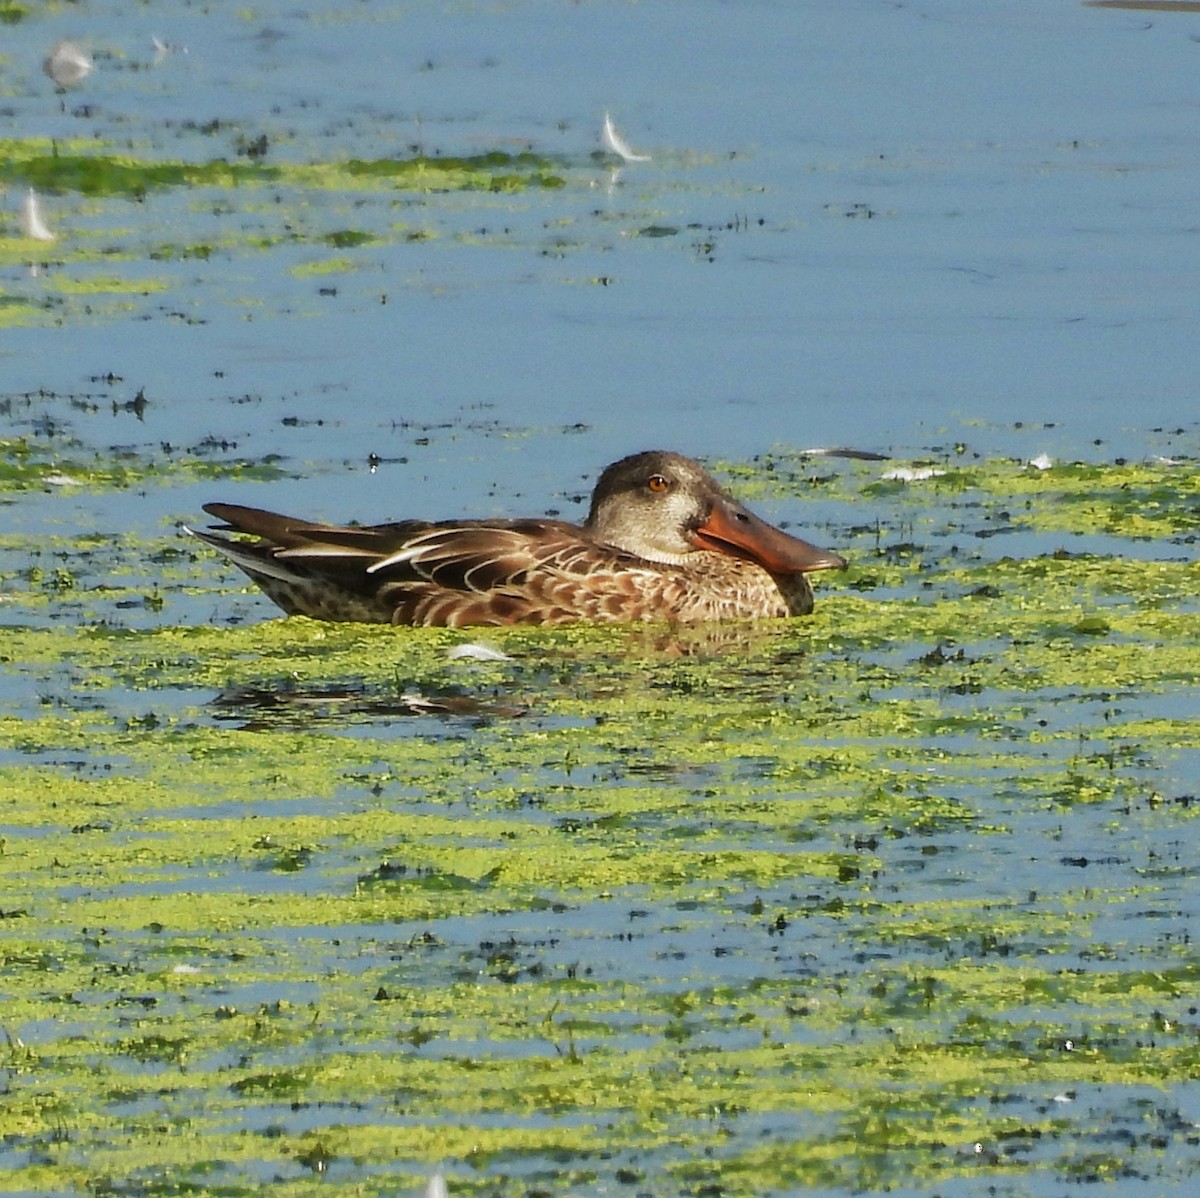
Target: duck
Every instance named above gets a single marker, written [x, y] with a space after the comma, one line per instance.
[663, 541]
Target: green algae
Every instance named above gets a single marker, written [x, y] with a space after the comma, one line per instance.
[26, 465]
[85, 275]
[79, 167]
[255, 896]
[1141, 500]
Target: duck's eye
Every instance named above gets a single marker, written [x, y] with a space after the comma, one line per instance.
[657, 484]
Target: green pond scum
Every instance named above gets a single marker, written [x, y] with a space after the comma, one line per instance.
[77, 167]
[897, 896]
[115, 215]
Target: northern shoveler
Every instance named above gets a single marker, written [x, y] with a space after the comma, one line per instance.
[662, 541]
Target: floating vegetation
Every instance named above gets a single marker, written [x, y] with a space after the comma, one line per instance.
[256, 205]
[29, 465]
[895, 896]
[78, 167]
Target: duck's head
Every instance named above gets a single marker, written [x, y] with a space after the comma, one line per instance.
[665, 507]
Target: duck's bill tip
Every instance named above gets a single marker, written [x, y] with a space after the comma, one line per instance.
[737, 531]
[823, 559]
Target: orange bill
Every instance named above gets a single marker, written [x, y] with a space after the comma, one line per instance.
[733, 529]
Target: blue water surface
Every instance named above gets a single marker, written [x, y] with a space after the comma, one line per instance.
[897, 225]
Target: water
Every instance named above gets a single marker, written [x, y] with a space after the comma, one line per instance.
[890, 227]
[893, 224]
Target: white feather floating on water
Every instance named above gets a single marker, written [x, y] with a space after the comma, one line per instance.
[911, 474]
[67, 64]
[476, 652]
[614, 143]
[162, 49]
[32, 224]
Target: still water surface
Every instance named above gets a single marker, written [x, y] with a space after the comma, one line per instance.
[896, 224]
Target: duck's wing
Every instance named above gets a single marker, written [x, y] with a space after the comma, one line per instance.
[341, 553]
[513, 572]
[480, 555]
[450, 572]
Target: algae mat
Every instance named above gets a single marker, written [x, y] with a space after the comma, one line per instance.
[896, 898]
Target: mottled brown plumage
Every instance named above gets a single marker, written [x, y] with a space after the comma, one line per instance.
[662, 541]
